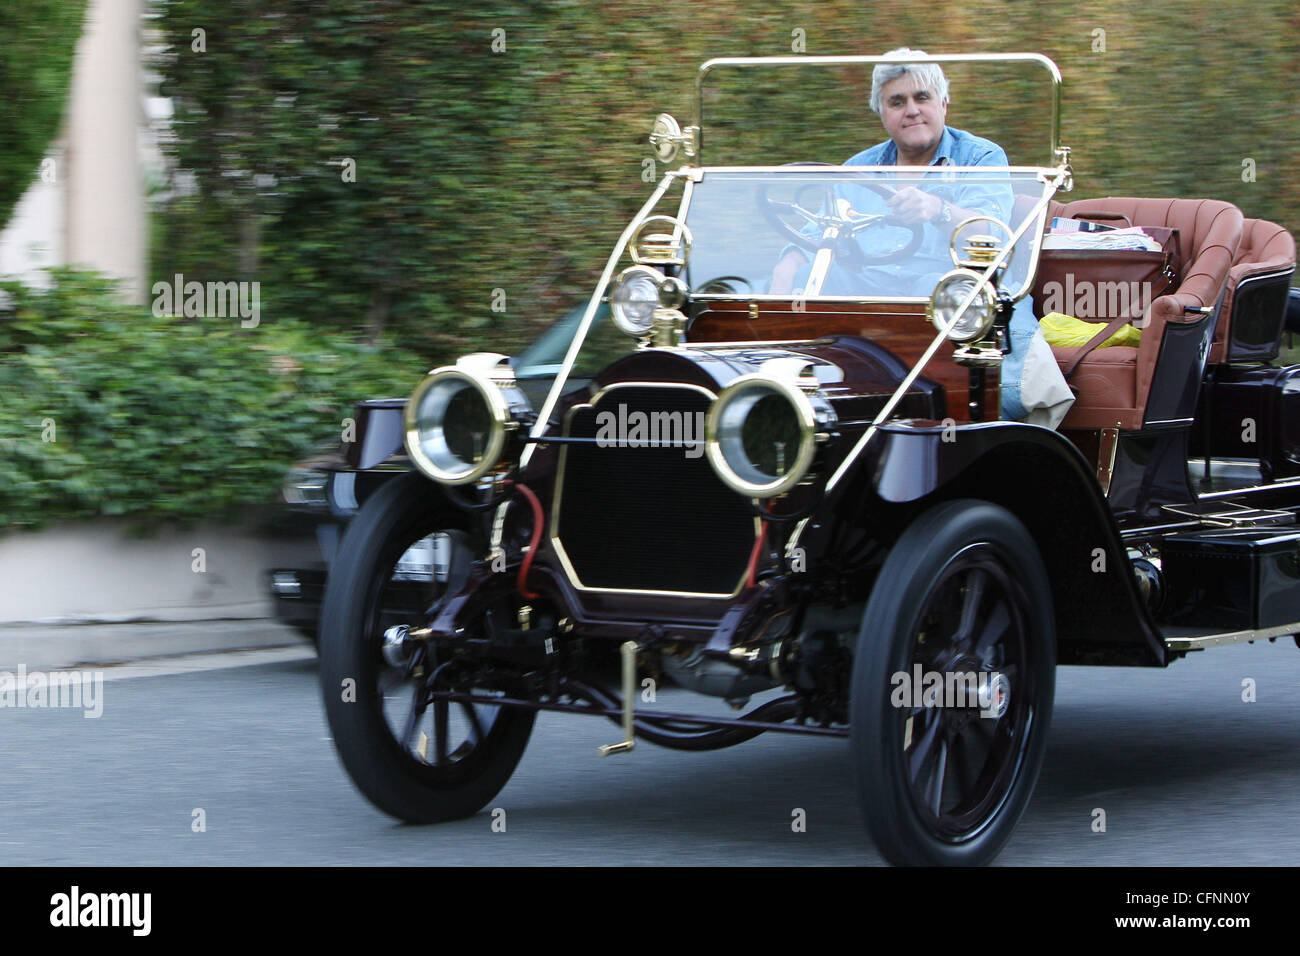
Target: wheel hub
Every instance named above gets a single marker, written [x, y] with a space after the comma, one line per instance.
[396, 649]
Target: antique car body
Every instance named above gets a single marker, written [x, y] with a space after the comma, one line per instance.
[810, 495]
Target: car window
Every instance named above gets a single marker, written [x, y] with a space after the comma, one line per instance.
[545, 355]
[744, 222]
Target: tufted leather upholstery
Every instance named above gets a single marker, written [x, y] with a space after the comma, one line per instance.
[1265, 247]
[1114, 383]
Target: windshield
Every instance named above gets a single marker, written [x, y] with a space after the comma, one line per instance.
[835, 233]
[857, 234]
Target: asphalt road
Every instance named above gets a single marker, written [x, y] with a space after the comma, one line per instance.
[1186, 772]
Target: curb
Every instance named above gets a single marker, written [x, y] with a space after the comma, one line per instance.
[54, 646]
[109, 570]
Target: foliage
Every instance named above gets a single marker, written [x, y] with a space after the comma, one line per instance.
[164, 417]
[503, 147]
[516, 167]
[318, 135]
[37, 41]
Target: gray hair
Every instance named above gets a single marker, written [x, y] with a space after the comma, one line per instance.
[929, 76]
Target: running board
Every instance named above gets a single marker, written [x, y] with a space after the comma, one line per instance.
[1229, 514]
[1269, 486]
[1187, 638]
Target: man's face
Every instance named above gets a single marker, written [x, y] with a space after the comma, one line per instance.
[912, 117]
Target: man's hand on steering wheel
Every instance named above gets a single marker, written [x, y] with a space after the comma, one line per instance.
[911, 205]
[838, 223]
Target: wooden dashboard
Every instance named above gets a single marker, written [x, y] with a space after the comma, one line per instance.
[903, 329]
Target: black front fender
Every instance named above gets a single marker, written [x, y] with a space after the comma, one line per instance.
[1040, 477]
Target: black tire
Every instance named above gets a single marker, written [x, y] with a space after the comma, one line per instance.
[374, 748]
[959, 565]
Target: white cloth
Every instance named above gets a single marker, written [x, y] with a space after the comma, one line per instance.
[1043, 389]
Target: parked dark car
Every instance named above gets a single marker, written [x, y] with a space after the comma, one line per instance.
[806, 504]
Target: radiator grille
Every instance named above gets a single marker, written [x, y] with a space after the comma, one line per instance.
[635, 517]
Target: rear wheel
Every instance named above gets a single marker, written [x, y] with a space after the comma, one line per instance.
[943, 779]
[420, 761]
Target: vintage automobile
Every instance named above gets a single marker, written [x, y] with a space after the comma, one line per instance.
[806, 500]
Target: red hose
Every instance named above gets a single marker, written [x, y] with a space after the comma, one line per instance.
[754, 553]
[532, 545]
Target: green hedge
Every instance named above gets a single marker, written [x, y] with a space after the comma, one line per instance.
[515, 165]
[164, 417]
[37, 41]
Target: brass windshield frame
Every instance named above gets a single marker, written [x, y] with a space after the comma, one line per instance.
[688, 176]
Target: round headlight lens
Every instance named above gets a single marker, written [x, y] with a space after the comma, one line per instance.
[455, 427]
[953, 289]
[634, 298]
[761, 436]
[769, 436]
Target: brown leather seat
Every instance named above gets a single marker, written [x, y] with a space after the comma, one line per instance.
[1114, 383]
[1108, 381]
[1265, 248]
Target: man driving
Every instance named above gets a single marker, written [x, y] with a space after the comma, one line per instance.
[911, 100]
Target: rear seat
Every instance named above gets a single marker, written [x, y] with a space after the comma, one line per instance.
[1250, 325]
[1113, 384]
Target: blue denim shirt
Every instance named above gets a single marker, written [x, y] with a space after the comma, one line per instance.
[960, 148]
[956, 148]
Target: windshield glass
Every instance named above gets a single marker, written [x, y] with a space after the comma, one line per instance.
[845, 234]
[854, 233]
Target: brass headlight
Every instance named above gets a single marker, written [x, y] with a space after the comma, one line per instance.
[457, 418]
[953, 289]
[634, 298]
[761, 433]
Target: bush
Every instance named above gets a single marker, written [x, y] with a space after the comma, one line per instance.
[112, 411]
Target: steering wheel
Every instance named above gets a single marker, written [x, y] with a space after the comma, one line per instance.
[723, 285]
[840, 216]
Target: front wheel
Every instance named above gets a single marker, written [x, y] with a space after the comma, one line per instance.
[953, 682]
[421, 761]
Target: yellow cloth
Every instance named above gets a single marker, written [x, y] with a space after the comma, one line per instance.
[1067, 332]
